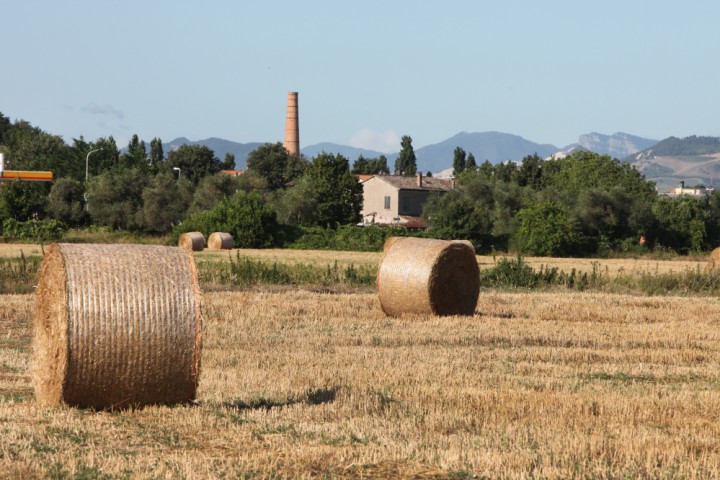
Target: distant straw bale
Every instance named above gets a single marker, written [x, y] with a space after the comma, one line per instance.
[116, 326]
[220, 241]
[419, 275]
[713, 260]
[193, 241]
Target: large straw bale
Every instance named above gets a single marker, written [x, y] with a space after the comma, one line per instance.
[389, 241]
[466, 242]
[194, 241]
[220, 241]
[116, 326]
[713, 260]
[423, 276]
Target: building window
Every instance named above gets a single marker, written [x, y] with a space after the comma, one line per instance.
[387, 203]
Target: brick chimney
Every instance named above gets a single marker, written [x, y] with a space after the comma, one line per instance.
[292, 125]
[419, 180]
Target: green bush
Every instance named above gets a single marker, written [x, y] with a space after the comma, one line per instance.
[33, 230]
[245, 216]
[244, 271]
[347, 238]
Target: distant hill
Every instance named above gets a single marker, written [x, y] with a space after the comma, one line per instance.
[688, 146]
[495, 147]
[617, 145]
[219, 146]
[351, 153]
[695, 160]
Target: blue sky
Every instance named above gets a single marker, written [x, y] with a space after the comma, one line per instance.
[367, 72]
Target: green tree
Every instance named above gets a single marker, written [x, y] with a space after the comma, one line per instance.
[23, 201]
[105, 159]
[547, 228]
[455, 216]
[406, 163]
[115, 198]
[371, 166]
[29, 148]
[194, 162]
[66, 202]
[157, 156]
[273, 163]
[297, 205]
[165, 201]
[211, 190]
[245, 216]
[530, 173]
[336, 191]
[459, 161]
[470, 164]
[360, 166]
[136, 156]
[229, 162]
[683, 223]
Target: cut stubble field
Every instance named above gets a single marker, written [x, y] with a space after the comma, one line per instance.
[298, 384]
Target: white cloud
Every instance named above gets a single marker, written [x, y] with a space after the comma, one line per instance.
[385, 142]
[95, 109]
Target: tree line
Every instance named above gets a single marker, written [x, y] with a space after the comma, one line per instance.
[584, 204]
[144, 190]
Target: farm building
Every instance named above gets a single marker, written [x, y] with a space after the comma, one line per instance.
[398, 199]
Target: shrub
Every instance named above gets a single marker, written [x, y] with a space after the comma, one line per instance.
[33, 230]
[245, 216]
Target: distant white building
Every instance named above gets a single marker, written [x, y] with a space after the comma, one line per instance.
[697, 191]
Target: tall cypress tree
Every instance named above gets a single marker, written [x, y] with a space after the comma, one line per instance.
[458, 161]
[406, 163]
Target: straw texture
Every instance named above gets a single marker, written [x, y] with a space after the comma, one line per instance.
[220, 241]
[389, 242]
[713, 260]
[194, 241]
[116, 326]
[424, 276]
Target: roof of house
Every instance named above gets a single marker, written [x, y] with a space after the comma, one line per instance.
[362, 176]
[233, 173]
[403, 182]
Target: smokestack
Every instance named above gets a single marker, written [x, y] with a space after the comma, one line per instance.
[292, 125]
[419, 179]
[2, 163]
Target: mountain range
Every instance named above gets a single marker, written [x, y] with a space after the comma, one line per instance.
[692, 159]
[494, 147]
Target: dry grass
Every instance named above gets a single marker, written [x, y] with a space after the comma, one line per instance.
[325, 257]
[300, 384]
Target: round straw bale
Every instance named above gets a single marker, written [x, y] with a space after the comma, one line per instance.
[194, 241]
[220, 241]
[389, 241]
[465, 242]
[713, 260]
[418, 275]
[116, 326]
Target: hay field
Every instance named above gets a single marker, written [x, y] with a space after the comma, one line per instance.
[299, 384]
[613, 266]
